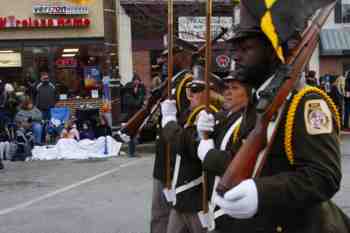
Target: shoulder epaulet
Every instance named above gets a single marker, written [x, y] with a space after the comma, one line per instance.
[291, 116]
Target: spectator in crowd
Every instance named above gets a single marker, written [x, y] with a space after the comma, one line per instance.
[340, 93]
[162, 62]
[4, 144]
[133, 98]
[5, 94]
[29, 113]
[103, 128]
[29, 82]
[24, 140]
[86, 132]
[70, 131]
[325, 83]
[45, 94]
[311, 78]
[156, 80]
[347, 100]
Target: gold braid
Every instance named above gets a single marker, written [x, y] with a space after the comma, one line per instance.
[180, 88]
[291, 115]
[236, 133]
[192, 117]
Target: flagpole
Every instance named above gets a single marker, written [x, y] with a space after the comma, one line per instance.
[207, 93]
[170, 75]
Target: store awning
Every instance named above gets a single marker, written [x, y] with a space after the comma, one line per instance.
[335, 42]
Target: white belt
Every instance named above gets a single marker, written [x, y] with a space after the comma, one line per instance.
[182, 188]
[189, 185]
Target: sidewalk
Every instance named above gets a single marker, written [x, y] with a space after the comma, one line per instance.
[345, 142]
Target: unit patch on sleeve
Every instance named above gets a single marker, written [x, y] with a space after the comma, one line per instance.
[318, 117]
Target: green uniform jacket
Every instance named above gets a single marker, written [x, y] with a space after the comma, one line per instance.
[185, 142]
[212, 164]
[294, 198]
[159, 162]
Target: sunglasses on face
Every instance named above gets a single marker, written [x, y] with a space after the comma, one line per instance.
[196, 89]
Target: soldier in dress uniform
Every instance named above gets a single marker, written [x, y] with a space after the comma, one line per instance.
[302, 171]
[223, 137]
[160, 206]
[187, 173]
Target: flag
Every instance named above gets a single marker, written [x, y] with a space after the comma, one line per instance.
[281, 19]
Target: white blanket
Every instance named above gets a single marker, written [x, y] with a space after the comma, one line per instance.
[83, 149]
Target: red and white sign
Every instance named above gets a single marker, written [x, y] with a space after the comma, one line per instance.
[13, 22]
[66, 62]
[223, 61]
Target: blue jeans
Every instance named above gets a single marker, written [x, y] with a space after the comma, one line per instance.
[37, 132]
[46, 114]
[132, 146]
[346, 112]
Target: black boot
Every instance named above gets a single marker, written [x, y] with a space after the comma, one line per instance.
[1, 165]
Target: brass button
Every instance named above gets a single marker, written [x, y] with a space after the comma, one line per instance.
[279, 229]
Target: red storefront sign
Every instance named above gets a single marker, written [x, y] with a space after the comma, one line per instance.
[13, 22]
[66, 62]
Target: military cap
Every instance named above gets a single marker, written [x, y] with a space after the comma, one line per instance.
[198, 82]
[234, 76]
[247, 27]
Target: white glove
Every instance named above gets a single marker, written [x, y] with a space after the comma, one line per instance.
[241, 201]
[204, 147]
[124, 137]
[205, 123]
[168, 110]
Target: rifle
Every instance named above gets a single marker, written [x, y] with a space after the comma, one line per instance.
[207, 95]
[273, 97]
[133, 125]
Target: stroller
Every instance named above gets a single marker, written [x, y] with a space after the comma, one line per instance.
[53, 128]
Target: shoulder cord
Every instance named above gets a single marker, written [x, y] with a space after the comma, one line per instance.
[291, 116]
[236, 133]
[179, 89]
[192, 117]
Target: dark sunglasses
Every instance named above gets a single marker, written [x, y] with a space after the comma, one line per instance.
[196, 89]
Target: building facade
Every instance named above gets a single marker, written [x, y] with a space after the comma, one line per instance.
[147, 20]
[75, 41]
[334, 47]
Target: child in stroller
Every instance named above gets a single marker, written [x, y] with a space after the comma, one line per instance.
[59, 117]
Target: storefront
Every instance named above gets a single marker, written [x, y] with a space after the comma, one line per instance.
[149, 25]
[334, 52]
[66, 39]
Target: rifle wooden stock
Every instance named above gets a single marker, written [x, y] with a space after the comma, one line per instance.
[135, 123]
[244, 161]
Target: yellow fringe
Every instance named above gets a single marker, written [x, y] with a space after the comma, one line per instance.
[291, 115]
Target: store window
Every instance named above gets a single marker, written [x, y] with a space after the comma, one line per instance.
[342, 11]
[78, 70]
[10, 64]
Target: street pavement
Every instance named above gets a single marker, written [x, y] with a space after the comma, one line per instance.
[89, 196]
